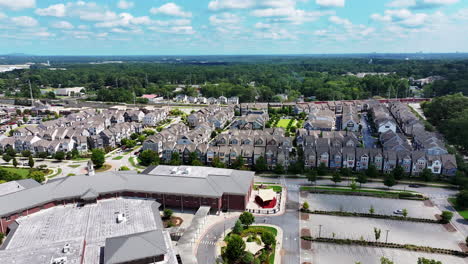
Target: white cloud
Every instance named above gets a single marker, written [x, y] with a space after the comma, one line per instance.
[321, 32]
[170, 9]
[3, 15]
[62, 25]
[224, 19]
[43, 34]
[401, 3]
[420, 4]
[58, 10]
[403, 17]
[18, 4]
[277, 34]
[290, 14]
[125, 5]
[340, 21]
[89, 11]
[183, 30]
[230, 4]
[24, 21]
[261, 25]
[330, 3]
[125, 20]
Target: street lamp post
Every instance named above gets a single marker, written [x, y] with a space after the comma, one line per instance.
[224, 228]
[320, 231]
[386, 237]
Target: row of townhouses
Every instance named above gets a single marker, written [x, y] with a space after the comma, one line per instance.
[82, 131]
[215, 115]
[182, 98]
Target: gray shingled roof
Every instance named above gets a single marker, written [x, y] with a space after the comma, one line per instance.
[202, 182]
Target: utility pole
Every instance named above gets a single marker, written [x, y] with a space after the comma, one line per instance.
[386, 237]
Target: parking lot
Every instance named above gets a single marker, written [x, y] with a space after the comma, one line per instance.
[362, 204]
[325, 253]
[362, 228]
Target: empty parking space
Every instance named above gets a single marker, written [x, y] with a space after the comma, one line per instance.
[402, 232]
[331, 253]
[362, 204]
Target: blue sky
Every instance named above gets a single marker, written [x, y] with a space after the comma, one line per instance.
[194, 27]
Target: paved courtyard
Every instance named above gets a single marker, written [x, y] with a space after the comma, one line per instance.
[92, 223]
[361, 204]
[325, 253]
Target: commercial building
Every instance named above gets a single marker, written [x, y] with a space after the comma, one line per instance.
[171, 186]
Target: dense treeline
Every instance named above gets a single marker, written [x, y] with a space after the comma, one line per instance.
[450, 114]
[321, 77]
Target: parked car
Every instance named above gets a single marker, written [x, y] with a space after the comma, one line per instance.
[414, 185]
[136, 153]
[398, 212]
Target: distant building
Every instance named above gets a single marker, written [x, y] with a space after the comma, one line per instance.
[71, 92]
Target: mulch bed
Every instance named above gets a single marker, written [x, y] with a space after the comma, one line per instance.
[449, 227]
[304, 216]
[176, 221]
[428, 203]
[463, 247]
[305, 244]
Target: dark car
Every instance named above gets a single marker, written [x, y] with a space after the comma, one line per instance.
[414, 185]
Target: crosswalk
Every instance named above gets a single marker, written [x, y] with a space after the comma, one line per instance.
[210, 243]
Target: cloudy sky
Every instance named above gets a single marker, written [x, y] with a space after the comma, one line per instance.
[161, 27]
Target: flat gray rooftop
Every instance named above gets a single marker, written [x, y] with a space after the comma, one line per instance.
[93, 223]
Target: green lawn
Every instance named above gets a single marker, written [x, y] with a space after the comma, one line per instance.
[59, 170]
[20, 171]
[74, 166]
[132, 161]
[118, 158]
[104, 167]
[284, 123]
[462, 212]
[275, 188]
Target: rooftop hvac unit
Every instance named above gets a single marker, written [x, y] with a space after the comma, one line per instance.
[62, 260]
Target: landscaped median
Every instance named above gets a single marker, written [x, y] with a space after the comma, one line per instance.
[386, 245]
[365, 192]
[378, 216]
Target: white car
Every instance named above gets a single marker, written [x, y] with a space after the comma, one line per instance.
[398, 212]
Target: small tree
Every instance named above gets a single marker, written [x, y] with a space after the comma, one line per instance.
[371, 210]
[389, 180]
[322, 169]
[25, 153]
[238, 163]
[175, 159]
[427, 175]
[305, 206]
[59, 155]
[247, 219]
[37, 176]
[260, 164]
[167, 213]
[405, 212]
[336, 178]
[98, 157]
[312, 176]
[148, 157]
[7, 157]
[268, 239]
[353, 185]
[372, 171]
[398, 172]
[15, 162]
[248, 258]
[377, 233]
[461, 200]
[446, 217]
[428, 261]
[31, 162]
[384, 260]
[235, 248]
[279, 169]
[124, 168]
[361, 178]
[237, 229]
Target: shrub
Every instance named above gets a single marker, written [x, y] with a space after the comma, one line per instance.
[124, 168]
[446, 217]
[168, 213]
[268, 239]
[305, 206]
